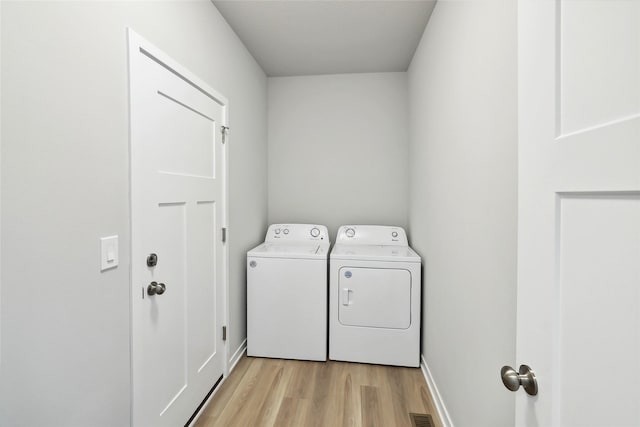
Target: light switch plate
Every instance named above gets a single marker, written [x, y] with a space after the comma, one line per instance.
[108, 252]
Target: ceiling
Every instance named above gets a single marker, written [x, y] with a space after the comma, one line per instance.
[305, 37]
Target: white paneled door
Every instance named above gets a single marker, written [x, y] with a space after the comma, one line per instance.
[178, 211]
[579, 212]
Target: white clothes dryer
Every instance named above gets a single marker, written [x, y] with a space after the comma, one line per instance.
[374, 297]
[287, 293]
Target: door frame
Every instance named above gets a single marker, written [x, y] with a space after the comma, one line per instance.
[135, 44]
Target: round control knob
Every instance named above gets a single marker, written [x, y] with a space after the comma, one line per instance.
[285, 231]
[315, 232]
[394, 234]
[277, 231]
[350, 232]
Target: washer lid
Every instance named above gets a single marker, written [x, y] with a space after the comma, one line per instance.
[291, 250]
[375, 253]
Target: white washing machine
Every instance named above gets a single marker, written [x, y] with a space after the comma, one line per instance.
[374, 297]
[287, 293]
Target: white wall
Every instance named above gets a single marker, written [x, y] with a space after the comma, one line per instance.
[463, 93]
[338, 149]
[64, 325]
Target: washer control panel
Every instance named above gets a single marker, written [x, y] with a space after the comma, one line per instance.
[296, 233]
[372, 235]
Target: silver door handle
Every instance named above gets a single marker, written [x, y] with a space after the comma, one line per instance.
[156, 288]
[345, 296]
[525, 378]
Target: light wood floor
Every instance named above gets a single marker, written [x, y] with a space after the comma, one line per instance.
[280, 393]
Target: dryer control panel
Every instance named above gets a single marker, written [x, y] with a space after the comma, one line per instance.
[297, 233]
[372, 235]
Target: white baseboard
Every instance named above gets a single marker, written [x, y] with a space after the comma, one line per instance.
[232, 364]
[435, 394]
[233, 361]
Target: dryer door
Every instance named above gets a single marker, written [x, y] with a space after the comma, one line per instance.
[374, 297]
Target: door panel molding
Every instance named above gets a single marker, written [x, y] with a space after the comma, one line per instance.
[600, 88]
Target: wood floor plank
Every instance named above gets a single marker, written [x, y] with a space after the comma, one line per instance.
[225, 394]
[268, 411]
[292, 412]
[279, 393]
[350, 416]
[301, 384]
[321, 379]
[371, 412]
[399, 395]
[251, 394]
[219, 412]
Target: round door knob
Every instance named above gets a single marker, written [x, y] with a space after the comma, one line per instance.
[156, 288]
[160, 289]
[525, 377]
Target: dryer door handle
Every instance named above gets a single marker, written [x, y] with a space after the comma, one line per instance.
[345, 296]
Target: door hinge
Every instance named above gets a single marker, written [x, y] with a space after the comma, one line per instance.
[224, 333]
[225, 131]
[224, 234]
